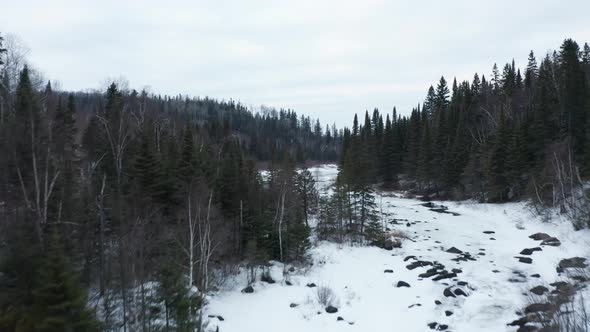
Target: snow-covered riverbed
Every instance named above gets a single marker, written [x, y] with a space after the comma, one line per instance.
[494, 283]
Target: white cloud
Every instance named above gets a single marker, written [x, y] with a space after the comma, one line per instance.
[328, 59]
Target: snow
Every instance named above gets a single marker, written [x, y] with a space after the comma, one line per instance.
[368, 299]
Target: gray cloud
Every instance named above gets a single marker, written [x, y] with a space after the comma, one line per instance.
[328, 59]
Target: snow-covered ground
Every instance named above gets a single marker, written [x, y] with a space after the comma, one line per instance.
[368, 299]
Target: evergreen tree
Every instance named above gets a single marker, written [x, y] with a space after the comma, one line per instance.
[59, 300]
[497, 164]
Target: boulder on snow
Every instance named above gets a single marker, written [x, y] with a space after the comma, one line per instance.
[539, 236]
[448, 293]
[538, 307]
[574, 262]
[331, 309]
[388, 271]
[454, 250]
[459, 292]
[311, 285]
[526, 260]
[402, 284]
[539, 290]
[248, 290]
[339, 318]
[489, 232]
[448, 313]
[530, 251]
[444, 275]
[552, 241]
[293, 305]
[267, 278]
[437, 302]
[519, 322]
[418, 264]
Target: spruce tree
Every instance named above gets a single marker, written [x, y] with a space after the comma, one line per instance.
[59, 300]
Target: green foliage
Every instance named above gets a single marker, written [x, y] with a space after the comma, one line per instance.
[59, 301]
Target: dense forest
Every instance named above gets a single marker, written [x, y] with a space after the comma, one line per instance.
[140, 199]
[121, 209]
[518, 135]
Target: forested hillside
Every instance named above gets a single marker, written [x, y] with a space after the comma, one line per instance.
[139, 198]
[510, 135]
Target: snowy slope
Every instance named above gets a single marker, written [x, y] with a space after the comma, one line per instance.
[368, 299]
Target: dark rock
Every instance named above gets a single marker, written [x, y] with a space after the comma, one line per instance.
[442, 327]
[418, 264]
[493, 239]
[432, 325]
[288, 283]
[525, 260]
[529, 251]
[462, 283]
[536, 275]
[331, 310]
[489, 232]
[388, 271]
[267, 278]
[519, 322]
[444, 276]
[454, 250]
[220, 318]
[496, 271]
[457, 270]
[292, 269]
[553, 242]
[339, 318]
[459, 292]
[562, 287]
[428, 274]
[311, 285]
[437, 302]
[574, 262]
[448, 293]
[402, 284]
[293, 305]
[539, 236]
[538, 307]
[448, 313]
[409, 257]
[539, 290]
[248, 290]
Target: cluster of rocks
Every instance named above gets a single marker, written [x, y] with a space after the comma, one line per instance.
[546, 239]
[439, 208]
[550, 298]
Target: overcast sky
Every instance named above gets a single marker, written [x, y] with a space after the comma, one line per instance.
[327, 59]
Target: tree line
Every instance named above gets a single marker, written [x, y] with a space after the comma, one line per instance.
[515, 136]
[120, 209]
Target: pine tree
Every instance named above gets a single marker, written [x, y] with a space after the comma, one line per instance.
[59, 300]
[497, 164]
[389, 165]
[574, 94]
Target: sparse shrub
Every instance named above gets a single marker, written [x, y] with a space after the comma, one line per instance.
[325, 296]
